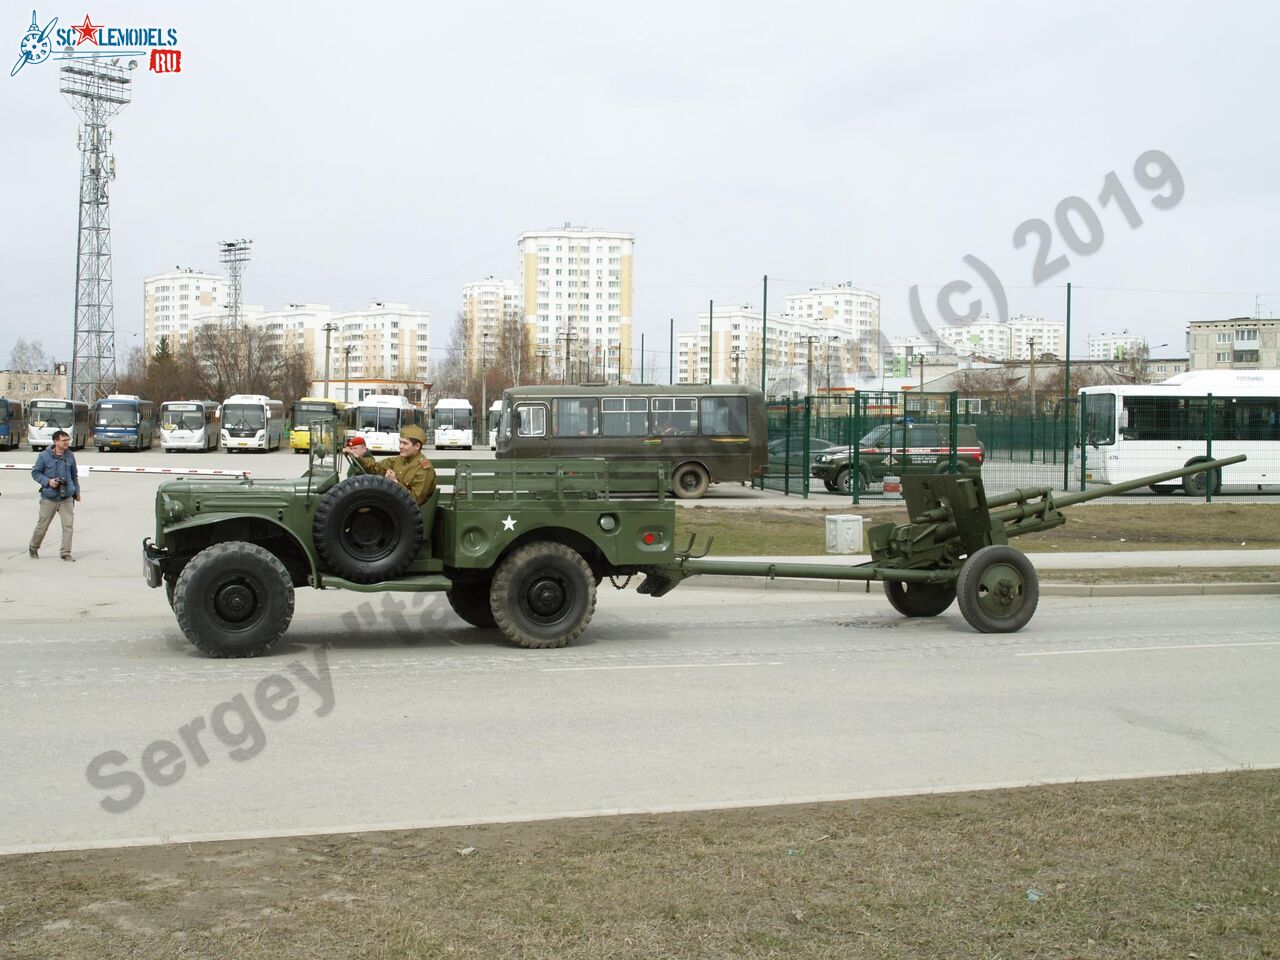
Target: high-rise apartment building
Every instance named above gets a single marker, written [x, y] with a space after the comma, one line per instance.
[489, 307]
[1115, 346]
[846, 312]
[576, 288]
[388, 341]
[1006, 341]
[170, 301]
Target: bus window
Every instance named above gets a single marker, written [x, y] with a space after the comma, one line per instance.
[724, 416]
[1099, 421]
[626, 416]
[576, 417]
[675, 416]
[532, 420]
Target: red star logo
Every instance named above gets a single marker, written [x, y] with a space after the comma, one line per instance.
[87, 31]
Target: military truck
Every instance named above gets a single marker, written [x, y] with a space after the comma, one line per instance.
[903, 449]
[521, 545]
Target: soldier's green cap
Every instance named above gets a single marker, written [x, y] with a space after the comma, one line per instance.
[413, 433]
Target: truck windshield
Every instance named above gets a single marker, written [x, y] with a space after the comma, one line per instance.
[243, 415]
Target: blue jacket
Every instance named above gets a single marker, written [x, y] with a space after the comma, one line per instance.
[64, 468]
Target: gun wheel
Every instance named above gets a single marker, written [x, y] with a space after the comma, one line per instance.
[998, 590]
[543, 596]
[470, 601]
[919, 599]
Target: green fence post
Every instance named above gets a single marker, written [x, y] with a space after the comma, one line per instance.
[1208, 447]
[953, 412]
[808, 432]
[855, 446]
[1081, 429]
[786, 451]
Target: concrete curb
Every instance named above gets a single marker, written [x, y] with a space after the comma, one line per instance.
[1046, 589]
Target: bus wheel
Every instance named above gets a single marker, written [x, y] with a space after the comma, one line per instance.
[1196, 484]
[543, 596]
[234, 599]
[470, 601]
[690, 481]
[919, 599]
[998, 590]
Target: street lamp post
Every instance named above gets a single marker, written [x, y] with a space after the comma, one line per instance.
[328, 329]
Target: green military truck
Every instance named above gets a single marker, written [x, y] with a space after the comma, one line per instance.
[902, 449]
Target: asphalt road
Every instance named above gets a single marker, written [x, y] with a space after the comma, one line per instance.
[387, 716]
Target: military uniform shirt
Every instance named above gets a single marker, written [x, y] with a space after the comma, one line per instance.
[415, 473]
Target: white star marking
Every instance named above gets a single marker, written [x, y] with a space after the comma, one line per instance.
[508, 524]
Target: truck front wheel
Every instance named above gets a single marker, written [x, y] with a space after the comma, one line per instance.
[234, 599]
[543, 596]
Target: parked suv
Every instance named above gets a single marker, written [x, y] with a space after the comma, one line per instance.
[899, 448]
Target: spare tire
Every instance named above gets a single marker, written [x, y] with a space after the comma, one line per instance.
[367, 529]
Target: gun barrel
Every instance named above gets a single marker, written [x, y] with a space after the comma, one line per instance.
[1068, 499]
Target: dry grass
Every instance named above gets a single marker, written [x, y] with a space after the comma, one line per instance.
[1089, 527]
[1158, 574]
[1173, 868]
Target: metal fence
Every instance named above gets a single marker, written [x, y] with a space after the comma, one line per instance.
[874, 435]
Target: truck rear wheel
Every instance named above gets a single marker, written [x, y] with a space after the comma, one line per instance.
[690, 481]
[998, 589]
[919, 599]
[470, 601]
[543, 596]
[368, 528]
[234, 599]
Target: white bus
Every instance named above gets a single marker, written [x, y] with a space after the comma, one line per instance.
[495, 418]
[451, 424]
[189, 425]
[378, 418]
[47, 415]
[1130, 430]
[251, 421]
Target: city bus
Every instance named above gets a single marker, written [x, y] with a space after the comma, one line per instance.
[47, 415]
[451, 424]
[378, 417]
[12, 423]
[189, 425]
[307, 409]
[123, 421]
[705, 434]
[251, 421]
[495, 418]
[1131, 430]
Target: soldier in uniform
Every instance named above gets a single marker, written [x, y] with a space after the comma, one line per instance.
[411, 469]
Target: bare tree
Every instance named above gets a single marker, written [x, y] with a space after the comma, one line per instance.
[28, 356]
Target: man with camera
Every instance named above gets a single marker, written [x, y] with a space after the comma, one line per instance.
[59, 480]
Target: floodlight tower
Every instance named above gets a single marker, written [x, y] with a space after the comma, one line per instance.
[97, 91]
[235, 254]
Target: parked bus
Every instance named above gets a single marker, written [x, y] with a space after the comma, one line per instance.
[495, 418]
[706, 434]
[123, 421]
[251, 421]
[307, 409]
[13, 423]
[189, 425]
[451, 424]
[378, 418]
[1131, 430]
[47, 415]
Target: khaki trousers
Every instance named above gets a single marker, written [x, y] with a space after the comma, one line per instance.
[65, 511]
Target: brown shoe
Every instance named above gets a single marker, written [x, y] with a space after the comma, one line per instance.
[69, 558]
[33, 554]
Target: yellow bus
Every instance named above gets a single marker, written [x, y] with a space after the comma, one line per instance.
[308, 409]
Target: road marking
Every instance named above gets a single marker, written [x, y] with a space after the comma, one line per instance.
[1176, 646]
[663, 666]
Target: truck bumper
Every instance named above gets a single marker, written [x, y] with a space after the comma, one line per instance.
[151, 555]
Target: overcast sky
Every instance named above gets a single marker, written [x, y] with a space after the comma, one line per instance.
[382, 151]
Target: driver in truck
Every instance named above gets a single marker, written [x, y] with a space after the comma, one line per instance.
[411, 469]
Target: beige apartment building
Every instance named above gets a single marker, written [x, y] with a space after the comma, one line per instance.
[19, 385]
[489, 306]
[173, 301]
[576, 290]
[1246, 343]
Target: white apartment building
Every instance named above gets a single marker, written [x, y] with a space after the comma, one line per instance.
[843, 311]
[902, 347]
[388, 340]
[1006, 341]
[172, 300]
[576, 283]
[1115, 346]
[488, 307]
[820, 352]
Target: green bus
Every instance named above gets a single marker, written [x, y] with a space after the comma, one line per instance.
[705, 434]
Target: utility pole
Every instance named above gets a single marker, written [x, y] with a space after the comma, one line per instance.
[642, 358]
[764, 337]
[711, 341]
[808, 343]
[922, 375]
[328, 329]
[484, 375]
[569, 339]
[543, 353]
[1066, 403]
[346, 382]
[671, 353]
[737, 364]
[830, 340]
